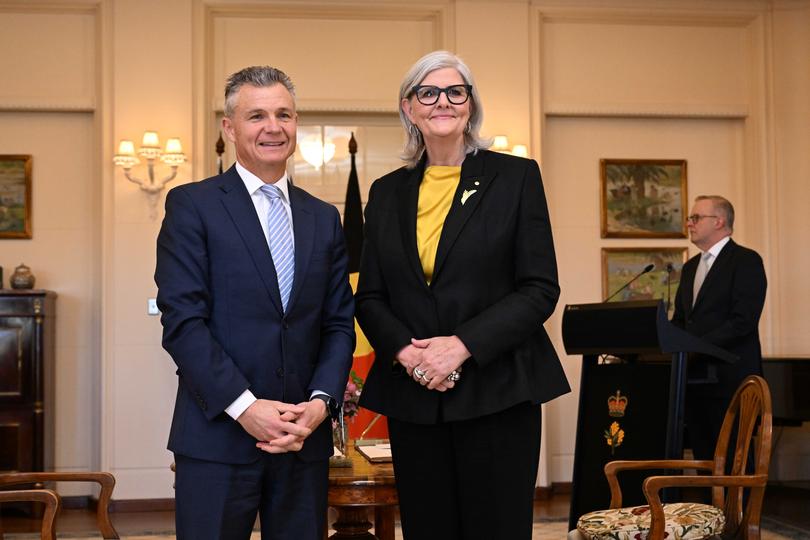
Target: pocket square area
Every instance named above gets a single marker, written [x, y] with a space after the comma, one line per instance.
[466, 195]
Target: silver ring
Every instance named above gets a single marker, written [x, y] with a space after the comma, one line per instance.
[419, 373]
[454, 376]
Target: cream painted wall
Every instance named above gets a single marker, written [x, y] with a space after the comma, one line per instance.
[63, 255]
[151, 89]
[718, 82]
[54, 124]
[791, 146]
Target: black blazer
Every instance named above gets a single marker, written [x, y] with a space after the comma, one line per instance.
[726, 313]
[494, 285]
[223, 323]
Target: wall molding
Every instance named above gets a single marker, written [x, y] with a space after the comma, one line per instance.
[141, 505]
[734, 111]
[48, 104]
[206, 12]
[79, 105]
[75, 7]
[323, 106]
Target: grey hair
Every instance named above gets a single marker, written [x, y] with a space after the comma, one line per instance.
[415, 145]
[722, 205]
[259, 76]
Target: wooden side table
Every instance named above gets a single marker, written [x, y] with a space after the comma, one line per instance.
[353, 490]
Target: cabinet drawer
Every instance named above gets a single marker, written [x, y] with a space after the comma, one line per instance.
[16, 439]
[15, 359]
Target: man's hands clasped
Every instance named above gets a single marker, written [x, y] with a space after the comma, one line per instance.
[434, 362]
[282, 427]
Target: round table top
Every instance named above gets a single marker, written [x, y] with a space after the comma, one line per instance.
[362, 472]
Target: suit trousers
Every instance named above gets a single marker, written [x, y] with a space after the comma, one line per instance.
[468, 480]
[220, 501]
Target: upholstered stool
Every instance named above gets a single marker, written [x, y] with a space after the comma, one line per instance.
[684, 521]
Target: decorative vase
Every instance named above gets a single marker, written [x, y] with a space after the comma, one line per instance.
[22, 278]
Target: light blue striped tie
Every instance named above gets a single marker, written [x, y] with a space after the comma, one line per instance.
[280, 240]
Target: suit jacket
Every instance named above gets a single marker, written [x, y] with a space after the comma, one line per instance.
[726, 313]
[223, 322]
[494, 284]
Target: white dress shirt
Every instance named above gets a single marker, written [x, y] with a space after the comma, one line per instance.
[715, 251]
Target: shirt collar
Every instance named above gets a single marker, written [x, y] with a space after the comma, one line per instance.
[253, 183]
[715, 249]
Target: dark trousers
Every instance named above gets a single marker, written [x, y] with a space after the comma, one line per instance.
[220, 501]
[704, 418]
[468, 480]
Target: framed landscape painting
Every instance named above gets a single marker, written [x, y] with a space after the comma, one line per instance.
[15, 196]
[619, 265]
[643, 198]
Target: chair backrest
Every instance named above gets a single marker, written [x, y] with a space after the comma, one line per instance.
[748, 423]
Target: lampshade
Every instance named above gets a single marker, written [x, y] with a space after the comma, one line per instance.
[173, 146]
[520, 150]
[126, 148]
[500, 143]
[315, 153]
[150, 139]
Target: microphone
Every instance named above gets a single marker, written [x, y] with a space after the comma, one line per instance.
[649, 268]
[670, 269]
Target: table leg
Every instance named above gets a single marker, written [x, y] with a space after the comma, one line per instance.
[352, 524]
[384, 522]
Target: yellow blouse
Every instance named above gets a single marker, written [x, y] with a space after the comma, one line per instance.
[435, 197]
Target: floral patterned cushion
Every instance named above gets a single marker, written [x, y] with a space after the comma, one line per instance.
[685, 521]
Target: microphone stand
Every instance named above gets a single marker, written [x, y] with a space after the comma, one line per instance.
[669, 280]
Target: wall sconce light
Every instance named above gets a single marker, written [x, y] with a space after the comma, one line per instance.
[315, 152]
[172, 156]
[500, 143]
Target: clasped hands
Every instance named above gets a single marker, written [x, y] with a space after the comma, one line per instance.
[282, 427]
[430, 361]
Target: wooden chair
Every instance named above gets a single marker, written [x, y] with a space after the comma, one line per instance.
[727, 517]
[52, 501]
[48, 497]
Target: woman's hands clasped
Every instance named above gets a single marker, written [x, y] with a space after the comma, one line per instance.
[434, 362]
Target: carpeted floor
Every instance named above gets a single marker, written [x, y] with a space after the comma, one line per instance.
[549, 530]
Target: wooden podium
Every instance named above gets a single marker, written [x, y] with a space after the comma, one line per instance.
[631, 407]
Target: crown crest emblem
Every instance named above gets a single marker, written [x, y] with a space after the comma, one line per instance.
[617, 404]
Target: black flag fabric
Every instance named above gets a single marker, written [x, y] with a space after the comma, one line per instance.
[353, 214]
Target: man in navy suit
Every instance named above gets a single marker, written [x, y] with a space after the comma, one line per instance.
[258, 316]
[720, 299]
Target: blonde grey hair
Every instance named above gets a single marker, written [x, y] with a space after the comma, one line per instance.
[722, 205]
[415, 145]
[258, 76]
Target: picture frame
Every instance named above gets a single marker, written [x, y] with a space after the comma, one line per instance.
[15, 196]
[620, 265]
[643, 198]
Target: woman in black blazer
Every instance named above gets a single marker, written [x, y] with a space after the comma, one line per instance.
[457, 277]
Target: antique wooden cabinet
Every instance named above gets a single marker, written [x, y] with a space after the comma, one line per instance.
[26, 380]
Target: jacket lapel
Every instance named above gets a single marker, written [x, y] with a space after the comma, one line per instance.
[688, 284]
[304, 229]
[239, 206]
[407, 202]
[474, 183]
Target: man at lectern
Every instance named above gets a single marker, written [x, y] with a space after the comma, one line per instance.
[719, 299]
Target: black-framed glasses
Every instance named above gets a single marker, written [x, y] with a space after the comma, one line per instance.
[694, 218]
[457, 94]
